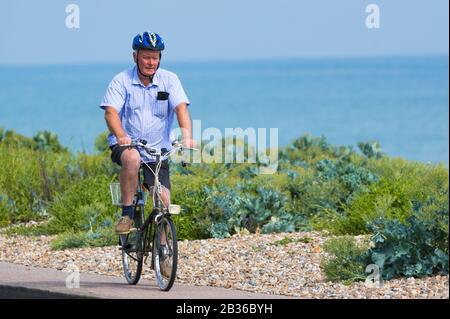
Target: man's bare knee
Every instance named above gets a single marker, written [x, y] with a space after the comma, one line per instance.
[130, 159]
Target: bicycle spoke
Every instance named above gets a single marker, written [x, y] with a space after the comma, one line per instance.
[165, 254]
[132, 246]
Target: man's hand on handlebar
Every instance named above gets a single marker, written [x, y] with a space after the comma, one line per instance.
[189, 143]
[124, 140]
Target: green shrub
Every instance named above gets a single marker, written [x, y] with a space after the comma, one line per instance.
[188, 192]
[84, 205]
[425, 185]
[307, 150]
[40, 229]
[287, 240]
[385, 199]
[312, 198]
[415, 248]
[31, 181]
[5, 210]
[95, 165]
[22, 185]
[101, 142]
[268, 210]
[402, 192]
[42, 141]
[232, 210]
[346, 260]
[102, 237]
[371, 149]
[13, 139]
[224, 210]
[280, 223]
[69, 240]
[353, 178]
[48, 141]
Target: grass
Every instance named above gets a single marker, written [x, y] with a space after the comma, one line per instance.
[287, 240]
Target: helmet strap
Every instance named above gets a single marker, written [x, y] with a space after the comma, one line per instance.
[139, 69]
[150, 77]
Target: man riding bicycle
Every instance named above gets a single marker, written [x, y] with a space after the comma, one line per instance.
[140, 104]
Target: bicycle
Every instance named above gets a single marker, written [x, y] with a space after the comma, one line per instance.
[155, 234]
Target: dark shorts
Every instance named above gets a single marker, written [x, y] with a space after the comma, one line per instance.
[149, 178]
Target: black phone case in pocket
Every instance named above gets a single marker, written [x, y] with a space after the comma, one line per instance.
[162, 96]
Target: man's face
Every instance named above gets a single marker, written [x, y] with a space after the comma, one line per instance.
[148, 61]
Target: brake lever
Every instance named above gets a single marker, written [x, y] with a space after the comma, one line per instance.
[152, 151]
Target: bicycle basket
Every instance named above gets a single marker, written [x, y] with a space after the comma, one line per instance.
[116, 195]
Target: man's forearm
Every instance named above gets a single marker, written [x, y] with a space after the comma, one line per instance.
[184, 120]
[114, 124]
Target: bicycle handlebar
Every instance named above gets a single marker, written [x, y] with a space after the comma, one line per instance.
[155, 152]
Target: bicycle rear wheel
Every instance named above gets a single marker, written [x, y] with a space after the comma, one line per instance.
[165, 253]
[133, 249]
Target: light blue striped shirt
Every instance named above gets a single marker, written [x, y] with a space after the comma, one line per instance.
[142, 115]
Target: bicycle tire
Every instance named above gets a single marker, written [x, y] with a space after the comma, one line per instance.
[133, 249]
[165, 262]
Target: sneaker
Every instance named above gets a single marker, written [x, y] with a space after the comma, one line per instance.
[123, 226]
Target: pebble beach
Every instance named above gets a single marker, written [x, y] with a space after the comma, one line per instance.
[282, 264]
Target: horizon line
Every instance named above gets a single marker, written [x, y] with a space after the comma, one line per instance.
[231, 60]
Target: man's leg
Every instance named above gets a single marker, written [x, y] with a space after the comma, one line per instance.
[165, 196]
[128, 178]
[164, 179]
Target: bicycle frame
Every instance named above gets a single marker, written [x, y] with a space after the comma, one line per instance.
[156, 235]
[158, 203]
[159, 209]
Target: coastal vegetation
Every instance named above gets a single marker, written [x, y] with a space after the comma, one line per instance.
[398, 207]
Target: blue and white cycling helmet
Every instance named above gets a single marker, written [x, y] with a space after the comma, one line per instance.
[148, 41]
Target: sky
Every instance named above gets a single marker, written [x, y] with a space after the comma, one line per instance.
[35, 32]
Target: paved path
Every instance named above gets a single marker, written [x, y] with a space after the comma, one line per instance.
[18, 281]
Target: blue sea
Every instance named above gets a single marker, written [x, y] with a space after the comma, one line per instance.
[401, 102]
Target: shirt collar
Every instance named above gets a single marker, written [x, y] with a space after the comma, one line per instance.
[137, 81]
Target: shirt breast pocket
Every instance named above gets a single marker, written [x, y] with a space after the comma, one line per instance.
[161, 108]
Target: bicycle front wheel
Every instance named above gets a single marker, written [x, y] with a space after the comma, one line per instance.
[133, 250]
[165, 253]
